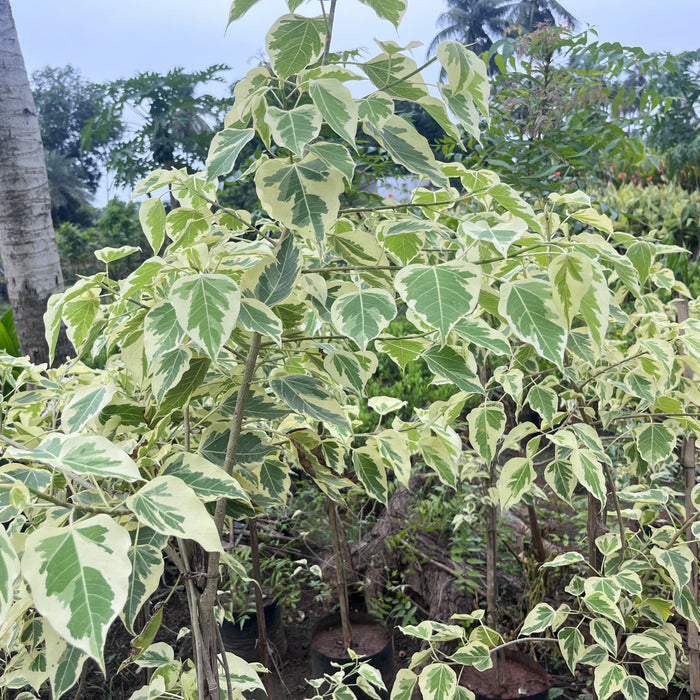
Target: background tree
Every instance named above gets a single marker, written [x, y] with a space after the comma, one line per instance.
[174, 123]
[27, 242]
[67, 103]
[527, 15]
[473, 23]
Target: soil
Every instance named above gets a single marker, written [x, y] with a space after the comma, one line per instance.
[367, 639]
[521, 677]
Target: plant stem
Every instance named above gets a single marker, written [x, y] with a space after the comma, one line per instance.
[340, 575]
[259, 605]
[330, 18]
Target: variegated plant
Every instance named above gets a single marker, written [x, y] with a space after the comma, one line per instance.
[238, 354]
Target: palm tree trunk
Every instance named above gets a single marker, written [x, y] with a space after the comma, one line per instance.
[27, 241]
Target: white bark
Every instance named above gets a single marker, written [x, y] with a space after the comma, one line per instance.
[27, 241]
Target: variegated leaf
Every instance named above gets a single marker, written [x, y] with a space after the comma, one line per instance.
[302, 195]
[440, 295]
[208, 480]
[335, 102]
[224, 150]
[477, 331]
[570, 276]
[167, 505]
[167, 371]
[363, 314]
[571, 645]
[407, 147]
[162, 332]
[369, 467]
[448, 363]
[608, 678]
[501, 235]
[273, 279]
[392, 10]
[515, 479]
[85, 404]
[294, 43]
[437, 681]
[145, 555]
[529, 308]
[152, 218]
[82, 454]
[256, 317]
[64, 662]
[294, 128]
[206, 306]
[9, 571]
[79, 575]
[486, 425]
[308, 396]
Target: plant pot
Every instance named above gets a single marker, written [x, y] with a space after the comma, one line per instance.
[522, 678]
[369, 639]
[241, 636]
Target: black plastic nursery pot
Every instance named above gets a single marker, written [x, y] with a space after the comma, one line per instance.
[241, 636]
[369, 639]
[522, 678]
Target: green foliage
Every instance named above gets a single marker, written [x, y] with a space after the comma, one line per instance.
[178, 122]
[240, 350]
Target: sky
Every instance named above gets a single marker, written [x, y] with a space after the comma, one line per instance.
[110, 40]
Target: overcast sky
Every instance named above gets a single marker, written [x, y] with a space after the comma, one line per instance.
[109, 40]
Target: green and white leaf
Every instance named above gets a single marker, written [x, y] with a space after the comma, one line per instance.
[85, 404]
[571, 645]
[206, 306]
[501, 235]
[294, 128]
[543, 400]
[79, 575]
[655, 442]
[337, 105]
[109, 254]
[9, 571]
[486, 425]
[376, 107]
[477, 331]
[335, 156]
[369, 467]
[600, 604]
[538, 619]
[515, 479]
[363, 314]
[589, 473]
[224, 150]
[437, 681]
[529, 308]
[644, 646]
[239, 8]
[604, 633]
[392, 10]
[402, 350]
[167, 505]
[407, 147]
[449, 364]
[168, 370]
[294, 43]
[608, 679]
[152, 218]
[635, 688]
[272, 280]
[396, 74]
[82, 454]
[404, 683]
[565, 559]
[570, 276]
[255, 316]
[147, 567]
[442, 294]
[64, 662]
[677, 561]
[302, 195]
[308, 396]
[395, 450]
[162, 332]
[208, 480]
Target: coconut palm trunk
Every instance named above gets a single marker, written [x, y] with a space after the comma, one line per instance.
[27, 241]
